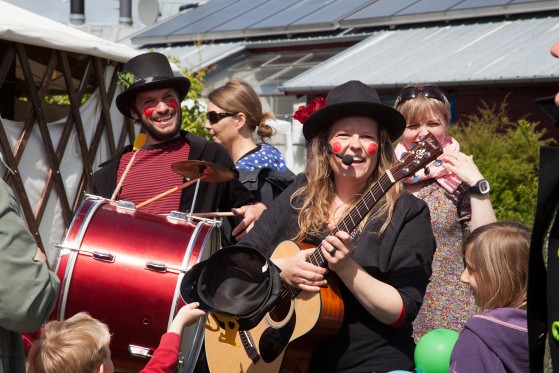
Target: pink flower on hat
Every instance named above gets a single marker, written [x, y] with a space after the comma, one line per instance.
[304, 112]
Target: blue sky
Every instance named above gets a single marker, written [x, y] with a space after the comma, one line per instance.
[96, 11]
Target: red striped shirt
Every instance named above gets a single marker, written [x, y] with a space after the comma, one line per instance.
[151, 174]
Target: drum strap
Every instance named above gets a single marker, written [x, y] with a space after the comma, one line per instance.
[138, 143]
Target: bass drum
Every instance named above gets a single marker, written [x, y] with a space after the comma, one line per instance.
[124, 267]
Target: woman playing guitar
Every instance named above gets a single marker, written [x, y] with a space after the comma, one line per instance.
[382, 262]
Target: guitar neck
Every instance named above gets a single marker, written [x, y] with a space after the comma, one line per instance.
[356, 214]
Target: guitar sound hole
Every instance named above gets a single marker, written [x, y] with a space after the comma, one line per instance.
[280, 312]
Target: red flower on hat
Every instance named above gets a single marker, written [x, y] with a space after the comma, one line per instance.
[304, 112]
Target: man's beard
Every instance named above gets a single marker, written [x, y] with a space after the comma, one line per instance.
[158, 135]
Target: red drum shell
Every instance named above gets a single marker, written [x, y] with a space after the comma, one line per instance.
[137, 303]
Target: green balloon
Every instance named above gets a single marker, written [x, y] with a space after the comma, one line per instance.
[432, 353]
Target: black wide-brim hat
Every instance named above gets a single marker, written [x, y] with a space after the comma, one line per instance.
[236, 281]
[350, 99]
[151, 71]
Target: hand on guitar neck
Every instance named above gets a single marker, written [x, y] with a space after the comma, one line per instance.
[296, 271]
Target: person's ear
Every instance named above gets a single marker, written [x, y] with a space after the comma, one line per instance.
[241, 120]
[134, 114]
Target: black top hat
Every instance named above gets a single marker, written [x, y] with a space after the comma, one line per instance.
[354, 99]
[151, 71]
[235, 281]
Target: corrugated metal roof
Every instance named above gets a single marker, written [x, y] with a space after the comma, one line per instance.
[479, 53]
[234, 19]
[196, 57]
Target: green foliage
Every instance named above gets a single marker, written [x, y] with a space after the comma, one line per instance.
[62, 100]
[125, 80]
[193, 113]
[507, 154]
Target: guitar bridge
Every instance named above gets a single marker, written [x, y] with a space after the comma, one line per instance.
[248, 344]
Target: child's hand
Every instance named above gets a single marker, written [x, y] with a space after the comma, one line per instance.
[186, 316]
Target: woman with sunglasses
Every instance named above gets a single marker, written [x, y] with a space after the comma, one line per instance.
[234, 114]
[457, 195]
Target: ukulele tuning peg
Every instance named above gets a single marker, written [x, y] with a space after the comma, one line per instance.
[438, 162]
[415, 179]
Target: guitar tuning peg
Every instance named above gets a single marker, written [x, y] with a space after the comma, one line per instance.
[403, 154]
[427, 170]
[415, 179]
[438, 162]
[422, 137]
[413, 145]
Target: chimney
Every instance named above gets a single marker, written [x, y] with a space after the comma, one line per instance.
[77, 12]
[125, 18]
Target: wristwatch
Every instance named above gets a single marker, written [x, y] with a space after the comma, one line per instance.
[481, 187]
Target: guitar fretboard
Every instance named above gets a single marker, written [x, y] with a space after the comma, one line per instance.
[355, 215]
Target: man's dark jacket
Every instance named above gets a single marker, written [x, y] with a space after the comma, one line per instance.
[212, 197]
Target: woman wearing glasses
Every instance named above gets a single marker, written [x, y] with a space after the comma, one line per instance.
[234, 114]
[458, 197]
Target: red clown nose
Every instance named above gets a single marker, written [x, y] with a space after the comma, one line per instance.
[336, 147]
[149, 111]
[372, 149]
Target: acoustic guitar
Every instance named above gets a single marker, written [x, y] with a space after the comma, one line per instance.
[285, 338]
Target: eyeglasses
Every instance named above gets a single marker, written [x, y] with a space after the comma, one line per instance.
[409, 93]
[214, 117]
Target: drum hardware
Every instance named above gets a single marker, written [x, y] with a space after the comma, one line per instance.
[140, 351]
[205, 217]
[126, 205]
[110, 258]
[97, 255]
[162, 268]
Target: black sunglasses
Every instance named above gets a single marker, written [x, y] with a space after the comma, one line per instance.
[214, 117]
[409, 93]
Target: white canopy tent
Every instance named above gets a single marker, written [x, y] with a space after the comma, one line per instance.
[21, 26]
[49, 157]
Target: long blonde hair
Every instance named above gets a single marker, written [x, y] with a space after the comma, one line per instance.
[313, 200]
[76, 345]
[499, 260]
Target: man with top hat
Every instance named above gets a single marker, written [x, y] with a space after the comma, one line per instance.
[137, 174]
[380, 249]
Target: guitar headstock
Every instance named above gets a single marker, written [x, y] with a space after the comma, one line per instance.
[420, 155]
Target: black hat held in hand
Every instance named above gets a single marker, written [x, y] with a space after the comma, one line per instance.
[150, 71]
[235, 281]
[352, 99]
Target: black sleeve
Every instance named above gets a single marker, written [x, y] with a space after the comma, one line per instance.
[277, 224]
[409, 266]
